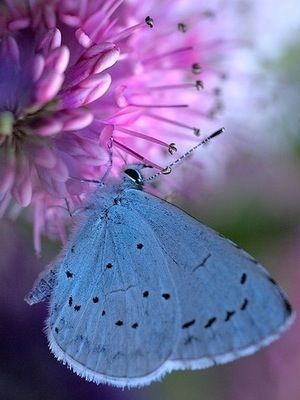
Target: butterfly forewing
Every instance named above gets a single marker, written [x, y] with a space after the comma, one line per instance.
[112, 318]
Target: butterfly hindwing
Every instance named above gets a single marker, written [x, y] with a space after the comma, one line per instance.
[229, 305]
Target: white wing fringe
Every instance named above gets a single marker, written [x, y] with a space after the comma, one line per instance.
[166, 367]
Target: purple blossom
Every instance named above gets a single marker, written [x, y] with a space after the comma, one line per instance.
[83, 81]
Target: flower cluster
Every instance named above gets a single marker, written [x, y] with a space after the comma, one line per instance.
[85, 83]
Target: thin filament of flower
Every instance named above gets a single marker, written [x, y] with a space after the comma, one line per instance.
[107, 10]
[158, 105]
[166, 54]
[142, 136]
[135, 154]
[125, 33]
[173, 122]
[164, 87]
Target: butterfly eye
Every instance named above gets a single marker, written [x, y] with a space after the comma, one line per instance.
[134, 175]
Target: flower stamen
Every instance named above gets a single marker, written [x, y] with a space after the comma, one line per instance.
[182, 27]
[196, 131]
[149, 21]
[171, 147]
[135, 154]
[125, 33]
[166, 54]
[158, 105]
[138, 91]
[196, 68]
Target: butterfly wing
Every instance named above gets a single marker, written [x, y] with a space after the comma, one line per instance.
[228, 304]
[144, 289]
[110, 315]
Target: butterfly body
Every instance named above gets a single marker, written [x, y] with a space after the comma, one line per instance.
[142, 288]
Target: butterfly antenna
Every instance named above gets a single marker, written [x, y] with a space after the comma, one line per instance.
[68, 207]
[168, 169]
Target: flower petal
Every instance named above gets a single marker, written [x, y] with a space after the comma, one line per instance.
[48, 86]
[12, 48]
[89, 90]
[47, 126]
[19, 24]
[7, 176]
[77, 119]
[43, 156]
[22, 190]
[94, 61]
[83, 38]
[58, 59]
[59, 172]
[38, 67]
[51, 40]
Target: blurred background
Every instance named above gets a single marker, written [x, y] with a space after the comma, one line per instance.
[255, 201]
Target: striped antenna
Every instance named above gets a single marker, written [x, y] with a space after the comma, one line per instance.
[168, 169]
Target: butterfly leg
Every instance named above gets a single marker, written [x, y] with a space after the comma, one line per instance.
[75, 211]
[109, 164]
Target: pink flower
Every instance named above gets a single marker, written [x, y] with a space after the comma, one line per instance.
[82, 80]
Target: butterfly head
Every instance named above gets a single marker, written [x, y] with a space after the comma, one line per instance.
[132, 174]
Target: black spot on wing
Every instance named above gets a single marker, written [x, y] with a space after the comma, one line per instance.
[210, 322]
[109, 265]
[229, 315]
[288, 307]
[244, 305]
[69, 274]
[103, 312]
[56, 330]
[95, 299]
[119, 323]
[188, 324]
[139, 246]
[77, 308]
[70, 301]
[135, 325]
[243, 278]
[145, 293]
[166, 296]
[272, 281]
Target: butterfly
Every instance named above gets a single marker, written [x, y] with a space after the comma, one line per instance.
[142, 288]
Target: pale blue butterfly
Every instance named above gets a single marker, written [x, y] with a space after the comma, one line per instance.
[142, 289]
